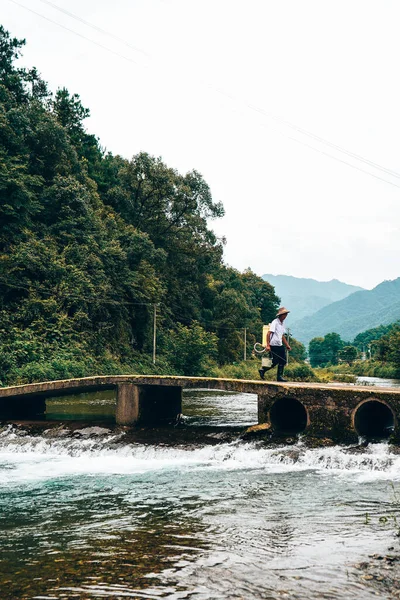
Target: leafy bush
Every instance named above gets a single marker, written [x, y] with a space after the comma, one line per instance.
[191, 350]
[242, 370]
[299, 372]
[345, 378]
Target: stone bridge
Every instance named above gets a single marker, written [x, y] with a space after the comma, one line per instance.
[341, 412]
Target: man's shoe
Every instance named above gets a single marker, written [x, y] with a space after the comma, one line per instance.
[262, 372]
[281, 380]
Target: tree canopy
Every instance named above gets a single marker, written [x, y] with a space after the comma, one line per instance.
[325, 350]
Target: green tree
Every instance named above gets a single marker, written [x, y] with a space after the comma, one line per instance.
[394, 351]
[316, 352]
[18, 200]
[71, 114]
[298, 351]
[325, 350]
[191, 350]
[11, 77]
[348, 354]
[174, 211]
[362, 340]
[386, 348]
[333, 344]
[233, 301]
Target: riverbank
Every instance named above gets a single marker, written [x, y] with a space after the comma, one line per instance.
[382, 573]
[346, 373]
[371, 368]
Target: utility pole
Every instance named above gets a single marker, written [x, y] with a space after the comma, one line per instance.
[244, 350]
[154, 333]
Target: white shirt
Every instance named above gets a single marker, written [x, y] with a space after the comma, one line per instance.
[277, 330]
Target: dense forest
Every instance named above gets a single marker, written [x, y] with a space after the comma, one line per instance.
[90, 243]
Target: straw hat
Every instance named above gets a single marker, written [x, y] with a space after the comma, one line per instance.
[282, 311]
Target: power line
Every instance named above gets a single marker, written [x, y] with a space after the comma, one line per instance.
[212, 324]
[114, 302]
[251, 107]
[95, 27]
[231, 97]
[74, 32]
[326, 142]
[342, 161]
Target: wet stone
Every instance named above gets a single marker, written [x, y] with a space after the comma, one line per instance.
[93, 431]
[257, 431]
[56, 432]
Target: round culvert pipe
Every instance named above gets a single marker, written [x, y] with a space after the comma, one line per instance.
[374, 419]
[288, 416]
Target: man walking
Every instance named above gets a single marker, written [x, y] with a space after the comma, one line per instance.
[277, 344]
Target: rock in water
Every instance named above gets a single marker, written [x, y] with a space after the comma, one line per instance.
[257, 431]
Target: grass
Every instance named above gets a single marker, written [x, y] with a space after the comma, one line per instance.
[328, 375]
[249, 370]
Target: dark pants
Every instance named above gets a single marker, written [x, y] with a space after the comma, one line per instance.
[278, 355]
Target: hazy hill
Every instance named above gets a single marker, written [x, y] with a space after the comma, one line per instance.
[306, 296]
[358, 312]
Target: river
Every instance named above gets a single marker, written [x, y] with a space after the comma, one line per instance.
[95, 512]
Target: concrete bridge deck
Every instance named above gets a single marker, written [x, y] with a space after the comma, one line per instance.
[339, 411]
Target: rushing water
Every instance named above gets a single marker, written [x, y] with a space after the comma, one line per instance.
[97, 512]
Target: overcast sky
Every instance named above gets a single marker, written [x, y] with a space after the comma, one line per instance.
[240, 91]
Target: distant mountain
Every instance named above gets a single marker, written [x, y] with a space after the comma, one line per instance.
[358, 312]
[306, 296]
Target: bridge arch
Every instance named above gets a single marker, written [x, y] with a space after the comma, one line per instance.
[374, 418]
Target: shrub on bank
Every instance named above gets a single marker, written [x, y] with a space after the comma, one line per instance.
[333, 374]
[324, 375]
[366, 368]
[243, 370]
[300, 372]
[373, 368]
[345, 378]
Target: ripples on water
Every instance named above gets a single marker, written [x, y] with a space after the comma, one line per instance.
[99, 516]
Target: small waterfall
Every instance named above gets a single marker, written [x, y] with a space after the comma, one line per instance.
[96, 450]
